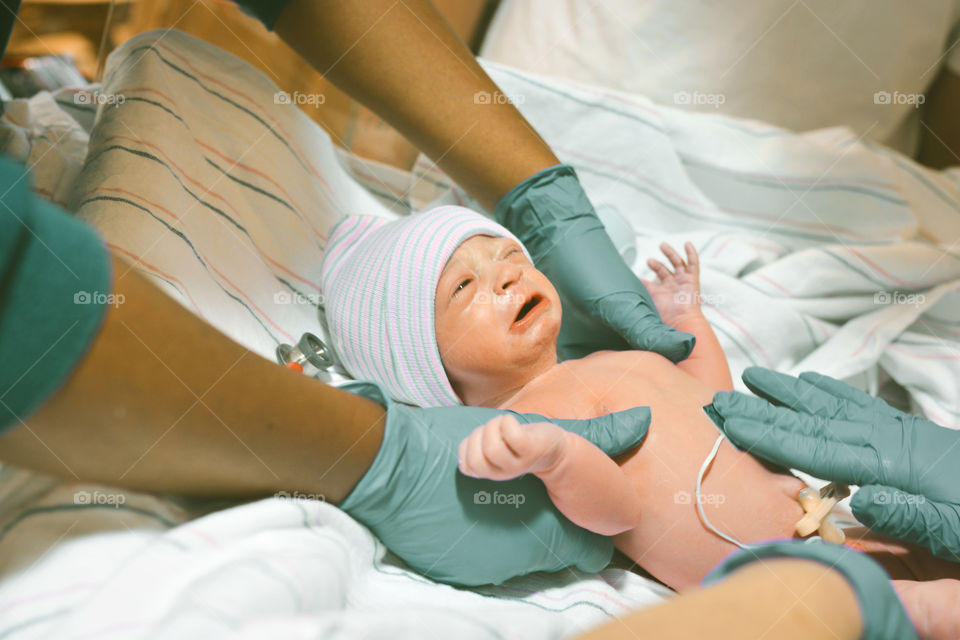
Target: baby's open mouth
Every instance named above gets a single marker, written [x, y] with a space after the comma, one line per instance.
[528, 307]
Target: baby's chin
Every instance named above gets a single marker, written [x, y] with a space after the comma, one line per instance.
[540, 342]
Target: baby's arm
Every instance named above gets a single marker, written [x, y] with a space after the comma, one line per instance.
[583, 482]
[707, 362]
[677, 297]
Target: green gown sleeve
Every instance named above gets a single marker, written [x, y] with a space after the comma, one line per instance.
[55, 282]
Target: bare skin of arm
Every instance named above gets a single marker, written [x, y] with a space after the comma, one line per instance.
[165, 402]
[940, 127]
[677, 296]
[405, 62]
[257, 428]
[787, 599]
[707, 362]
[584, 483]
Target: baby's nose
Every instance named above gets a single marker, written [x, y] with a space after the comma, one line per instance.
[508, 276]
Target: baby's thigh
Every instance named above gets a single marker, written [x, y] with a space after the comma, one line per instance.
[740, 497]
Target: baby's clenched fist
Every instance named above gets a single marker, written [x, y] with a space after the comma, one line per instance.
[503, 449]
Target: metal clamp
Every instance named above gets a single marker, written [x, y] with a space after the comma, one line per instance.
[310, 355]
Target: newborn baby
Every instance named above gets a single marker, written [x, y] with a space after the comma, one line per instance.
[445, 307]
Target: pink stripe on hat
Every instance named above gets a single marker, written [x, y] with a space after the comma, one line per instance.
[379, 280]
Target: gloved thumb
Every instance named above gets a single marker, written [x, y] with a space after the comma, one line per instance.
[593, 556]
[634, 317]
[911, 518]
[613, 433]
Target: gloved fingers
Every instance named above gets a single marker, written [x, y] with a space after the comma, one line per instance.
[734, 404]
[910, 517]
[792, 443]
[858, 404]
[639, 323]
[589, 552]
[613, 433]
[788, 391]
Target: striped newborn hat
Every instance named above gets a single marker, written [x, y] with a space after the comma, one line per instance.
[379, 280]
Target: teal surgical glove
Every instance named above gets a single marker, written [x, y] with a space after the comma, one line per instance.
[605, 306]
[469, 531]
[881, 611]
[907, 466]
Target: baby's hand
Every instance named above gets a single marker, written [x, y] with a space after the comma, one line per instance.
[677, 294]
[503, 449]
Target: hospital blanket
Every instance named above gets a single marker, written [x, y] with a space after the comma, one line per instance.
[818, 252]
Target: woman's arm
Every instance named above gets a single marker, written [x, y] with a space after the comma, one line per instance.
[786, 599]
[405, 62]
[165, 402]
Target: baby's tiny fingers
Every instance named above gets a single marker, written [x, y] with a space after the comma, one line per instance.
[477, 462]
[519, 439]
[658, 267]
[464, 456]
[692, 258]
[675, 258]
[495, 449]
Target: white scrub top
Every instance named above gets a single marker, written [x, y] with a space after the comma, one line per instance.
[800, 64]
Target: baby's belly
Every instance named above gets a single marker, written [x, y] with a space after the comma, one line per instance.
[740, 496]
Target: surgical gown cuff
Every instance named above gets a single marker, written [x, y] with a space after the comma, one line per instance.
[881, 611]
[55, 278]
[266, 11]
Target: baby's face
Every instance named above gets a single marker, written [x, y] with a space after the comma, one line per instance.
[496, 316]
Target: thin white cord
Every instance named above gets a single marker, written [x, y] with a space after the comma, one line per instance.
[703, 516]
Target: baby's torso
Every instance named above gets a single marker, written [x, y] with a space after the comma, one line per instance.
[740, 496]
[609, 381]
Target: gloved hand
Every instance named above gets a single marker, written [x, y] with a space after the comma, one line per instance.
[881, 611]
[907, 466]
[470, 531]
[605, 306]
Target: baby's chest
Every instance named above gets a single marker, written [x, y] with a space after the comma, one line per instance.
[590, 391]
